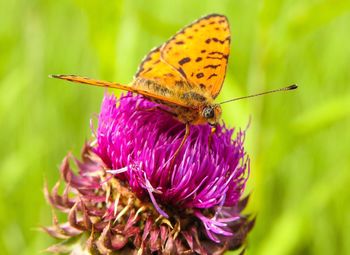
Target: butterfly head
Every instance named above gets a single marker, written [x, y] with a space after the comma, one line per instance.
[212, 114]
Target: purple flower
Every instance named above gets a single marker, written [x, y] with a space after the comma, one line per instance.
[131, 194]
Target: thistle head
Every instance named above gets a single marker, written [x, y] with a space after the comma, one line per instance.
[127, 195]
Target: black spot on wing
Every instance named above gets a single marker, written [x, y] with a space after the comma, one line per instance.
[148, 69]
[184, 61]
[199, 75]
[180, 42]
[215, 52]
[223, 57]
[212, 75]
[181, 71]
[221, 41]
[198, 59]
[213, 66]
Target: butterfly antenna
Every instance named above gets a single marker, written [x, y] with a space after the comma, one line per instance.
[291, 87]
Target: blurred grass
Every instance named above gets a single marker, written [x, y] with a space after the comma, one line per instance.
[299, 142]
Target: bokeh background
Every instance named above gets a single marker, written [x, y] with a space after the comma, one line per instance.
[299, 142]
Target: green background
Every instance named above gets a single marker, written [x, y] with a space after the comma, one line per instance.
[299, 142]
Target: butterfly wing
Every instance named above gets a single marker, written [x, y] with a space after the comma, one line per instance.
[190, 67]
[199, 52]
[142, 90]
[89, 81]
[153, 68]
[186, 71]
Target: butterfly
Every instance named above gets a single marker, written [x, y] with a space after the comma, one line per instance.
[185, 74]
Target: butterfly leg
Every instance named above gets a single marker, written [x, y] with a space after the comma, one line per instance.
[212, 132]
[187, 133]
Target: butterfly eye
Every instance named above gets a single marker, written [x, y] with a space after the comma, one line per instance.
[208, 112]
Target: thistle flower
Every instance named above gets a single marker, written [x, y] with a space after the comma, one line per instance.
[129, 194]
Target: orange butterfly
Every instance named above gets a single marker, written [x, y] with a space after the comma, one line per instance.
[185, 74]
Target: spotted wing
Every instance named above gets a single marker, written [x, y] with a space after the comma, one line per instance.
[199, 52]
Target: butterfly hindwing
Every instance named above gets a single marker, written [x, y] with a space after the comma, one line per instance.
[142, 88]
[163, 80]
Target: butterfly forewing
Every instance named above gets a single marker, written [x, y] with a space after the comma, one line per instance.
[200, 52]
[153, 68]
